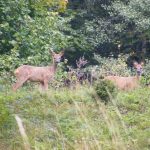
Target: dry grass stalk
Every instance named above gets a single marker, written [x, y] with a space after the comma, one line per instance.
[23, 133]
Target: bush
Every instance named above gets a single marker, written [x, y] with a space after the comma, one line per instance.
[105, 89]
[110, 66]
[113, 66]
[146, 73]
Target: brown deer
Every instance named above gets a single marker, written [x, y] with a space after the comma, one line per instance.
[37, 74]
[127, 83]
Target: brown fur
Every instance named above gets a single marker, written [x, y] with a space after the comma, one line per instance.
[127, 83]
[124, 83]
[37, 74]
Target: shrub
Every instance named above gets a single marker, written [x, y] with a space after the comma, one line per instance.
[104, 89]
[115, 66]
[146, 73]
[110, 66]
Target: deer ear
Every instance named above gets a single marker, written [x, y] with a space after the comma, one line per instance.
[135, 64]
[62, 52]
[51, 52]
[142, 63]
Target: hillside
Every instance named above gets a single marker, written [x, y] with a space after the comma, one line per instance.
[75, 119]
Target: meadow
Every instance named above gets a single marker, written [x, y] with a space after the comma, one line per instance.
[74, 119]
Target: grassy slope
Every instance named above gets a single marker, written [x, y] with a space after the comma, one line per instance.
[75, 119]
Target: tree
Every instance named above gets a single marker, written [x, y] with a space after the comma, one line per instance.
[133, 20]
[29, 29]
[113, 26]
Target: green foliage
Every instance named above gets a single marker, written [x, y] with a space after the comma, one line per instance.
[134, 11]
[30, 28]
[107, 24]
[110, 66]
[135, 107]
[29, 31]
[132, 24]
[113, 66]
[105, 89]
[6, 119]
[60, 76]
[12, 19]
[4, 113]
[41, 33]
[146, 73]
[90, 22]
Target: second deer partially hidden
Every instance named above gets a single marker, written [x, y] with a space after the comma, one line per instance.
[37, 74]
[127, 83]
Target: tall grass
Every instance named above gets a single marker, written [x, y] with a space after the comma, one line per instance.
[66, 119]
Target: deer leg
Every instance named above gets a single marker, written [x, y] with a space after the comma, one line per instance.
[45, 85]
[19, 83]
[41, 86]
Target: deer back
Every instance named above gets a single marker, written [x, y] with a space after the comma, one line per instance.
[124, 83]
[35, 73]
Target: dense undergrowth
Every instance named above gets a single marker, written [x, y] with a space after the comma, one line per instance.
[68, 119]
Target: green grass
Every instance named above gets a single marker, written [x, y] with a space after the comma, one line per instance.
[66, 119]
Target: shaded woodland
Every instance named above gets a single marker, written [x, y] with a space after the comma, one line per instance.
[80, 27]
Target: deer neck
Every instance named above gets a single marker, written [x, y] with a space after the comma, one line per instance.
[54, 66]
[138, 77]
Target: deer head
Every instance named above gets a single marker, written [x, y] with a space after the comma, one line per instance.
[138, 67]
[57, 57]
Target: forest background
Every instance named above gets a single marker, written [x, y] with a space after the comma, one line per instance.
[110, 28]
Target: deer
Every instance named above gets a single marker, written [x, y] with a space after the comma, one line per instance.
[42, 75]
[127, 83]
